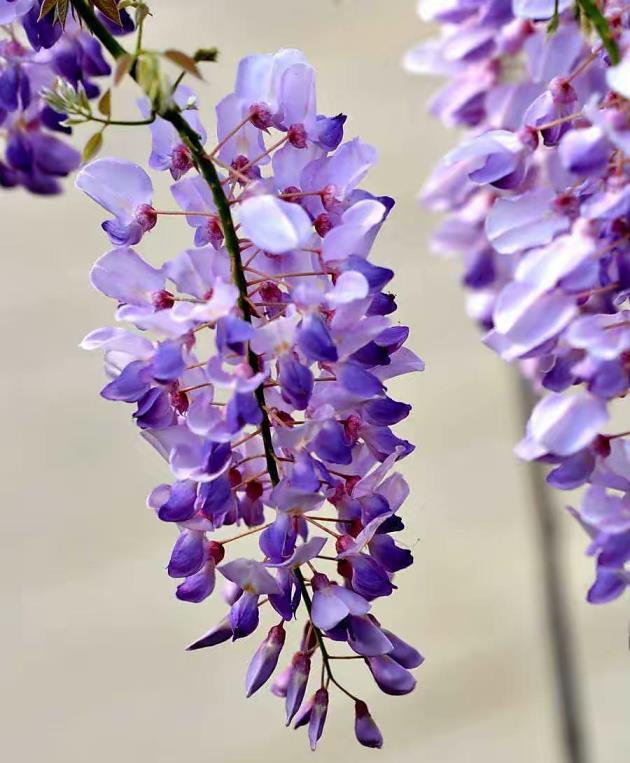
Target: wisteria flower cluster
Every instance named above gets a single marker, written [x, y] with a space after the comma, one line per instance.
[37, 55]
[537, 201]
[256, 362]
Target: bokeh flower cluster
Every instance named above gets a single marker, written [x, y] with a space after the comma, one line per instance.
[261, 376]
[36, 55]
[536, 197]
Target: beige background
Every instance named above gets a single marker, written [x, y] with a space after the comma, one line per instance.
[95, 668]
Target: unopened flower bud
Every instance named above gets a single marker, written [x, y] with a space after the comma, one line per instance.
[296, 686]
[265, 660]
[366, 731]
[318, 717]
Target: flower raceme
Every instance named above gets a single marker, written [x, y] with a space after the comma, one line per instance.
[34, 54]
[259, 373]
[537, 198]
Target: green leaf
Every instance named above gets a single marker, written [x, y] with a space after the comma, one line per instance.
[61, 12]
[47, 7]
[123, 66]
[92, 147]
[105, 104]
[109, 8]
[598, 20]
[184, 61]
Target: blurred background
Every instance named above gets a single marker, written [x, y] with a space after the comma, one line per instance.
[93, 636]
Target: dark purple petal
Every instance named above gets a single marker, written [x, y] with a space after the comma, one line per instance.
[296, 685]
[168, 364]
[218, 635]
[315, 341]
[390, 556]
[369, 579]
[53, 156]
[188, 555]
[609, 585]
[154, 410]
[199, 586]
[216, 498]
[365, 730]
[384, 411]
[382, 304]
[371, 355]
[573, 471]
[9, 84]
[358, 381]
[180, 504]
[217, 455]
[331, 444]
[372, 506]
[296, 382]
[391, 677]
[243, 409]
[383, 442]
[318, 717]
[232, 334]
[265, 660]
[53, 120]
[287, 602]
[393, 338]
[329, 131]
[19, 152]
[244, 615]
[366, 638]
[277, 542]
[403, 653]
[130, 385]
[41, 33]
[303, 474]
[376, 276]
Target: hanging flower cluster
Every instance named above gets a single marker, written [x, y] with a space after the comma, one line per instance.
[259, 373]
[37, 55]
[537, 197]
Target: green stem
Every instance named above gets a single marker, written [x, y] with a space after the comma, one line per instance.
[178, 81]
[121, 122]
[208, 171]
[139, 36]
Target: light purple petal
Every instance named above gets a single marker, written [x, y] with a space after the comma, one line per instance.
[251, 576]
[522, 222]
[125, 276]
[564, 424]
[303, 553]
[328, 609]
[274, 225]
[117, 185]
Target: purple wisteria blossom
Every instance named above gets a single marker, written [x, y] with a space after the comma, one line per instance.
[538, 199]
[260, 375]
[35, 56]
